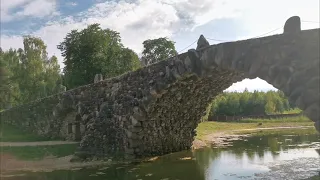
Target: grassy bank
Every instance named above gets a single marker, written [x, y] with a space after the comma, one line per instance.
[280, 120]
[316, 177]
[206, 128]
[294, 131]
[39, 152]
[10, 133]
[292, 111]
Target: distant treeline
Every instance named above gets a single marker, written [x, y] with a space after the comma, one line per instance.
[250, 103]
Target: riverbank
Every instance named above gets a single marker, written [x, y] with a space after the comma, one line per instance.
[25, 151]
[21, 151]
[222, 133]
[209, 127]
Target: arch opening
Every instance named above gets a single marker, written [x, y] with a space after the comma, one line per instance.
[76, 128]
[71, 127]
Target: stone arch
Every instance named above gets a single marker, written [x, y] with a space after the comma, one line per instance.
[289, 63]
[293, 66]
[155, 110]
[174, 116]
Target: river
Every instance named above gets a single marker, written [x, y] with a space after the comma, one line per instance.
[272, 156]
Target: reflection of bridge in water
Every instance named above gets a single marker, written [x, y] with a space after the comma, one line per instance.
[155, 110]
[261, 152]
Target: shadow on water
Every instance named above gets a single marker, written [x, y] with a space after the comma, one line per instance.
[242, 160]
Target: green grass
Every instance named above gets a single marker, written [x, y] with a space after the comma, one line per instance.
[39, 152]
[288, 119]
[206, 128]
[296, 131]
[316, 177]
[292, 111]
[10, 133]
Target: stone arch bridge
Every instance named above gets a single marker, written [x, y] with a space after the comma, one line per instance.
[155, 110]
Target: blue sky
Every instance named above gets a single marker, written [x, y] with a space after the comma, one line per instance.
[183, 21]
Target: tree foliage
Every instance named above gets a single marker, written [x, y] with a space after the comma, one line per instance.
[92, 51]
[156, 50]
[250, 103]
[27, 74]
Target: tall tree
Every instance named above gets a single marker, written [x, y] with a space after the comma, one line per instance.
[38, 73]
[9, 87]
[156, 50]
[2, 67]
[28, 73]
[3, 81]
[52, 76]
[92, 51]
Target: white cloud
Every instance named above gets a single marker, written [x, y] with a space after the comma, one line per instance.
[38, 8]
[7, 6]
[136, 21]
[71, 4]
[263, 16]
[144, 19]
[8, 42]
[251, 85]
[204, 11]
[29, 8]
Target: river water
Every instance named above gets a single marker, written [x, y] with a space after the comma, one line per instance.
[272, 156]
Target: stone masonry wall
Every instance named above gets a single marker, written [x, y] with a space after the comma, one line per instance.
[35, 117]
[55, 116]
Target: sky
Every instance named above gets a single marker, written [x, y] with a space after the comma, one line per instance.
[183, 21]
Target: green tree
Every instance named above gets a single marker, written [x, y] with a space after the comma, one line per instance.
[269, 107]
[156, 50]
[3, 82]
[92, 51]
[249, 103]
[9, 89]
[2, 68]
[38, 73]
[29, 73]
[52, 76]
[244, 102]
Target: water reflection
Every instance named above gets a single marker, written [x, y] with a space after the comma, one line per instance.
[247, 157]
[242, 160]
